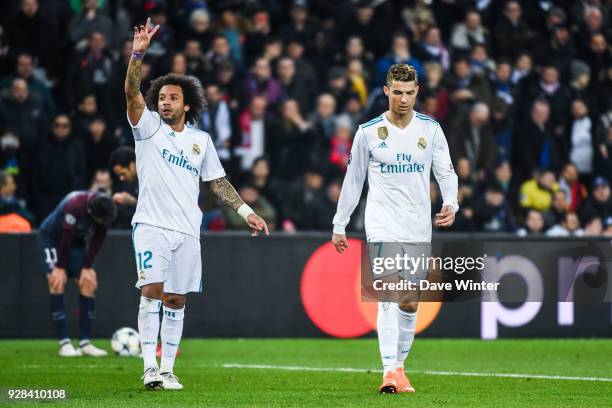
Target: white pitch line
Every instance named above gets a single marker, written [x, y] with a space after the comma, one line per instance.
[427, 372]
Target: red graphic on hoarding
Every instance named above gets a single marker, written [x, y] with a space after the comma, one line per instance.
[331, 294]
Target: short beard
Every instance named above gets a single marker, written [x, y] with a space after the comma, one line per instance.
[171, 121]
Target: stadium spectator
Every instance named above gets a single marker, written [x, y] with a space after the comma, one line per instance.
[102, 182]
[537, 193]
[558, 50]
[33, 33]
[399, 54]
[501, 124]
[14, 161]
[599, 203]
[162, 44]
[512, 34]
[299, 28]
[14, 217]
[22, 114]
[258, 32]
[323, 121]
[340, 144]
[230, 26]
[533, 132]
[492, 213]
[199, 29]
[593, 227]
[260, 82]
[290, 136]
[569, 226]
[581, 142]
[502, 175]
[434, 86]
[61, 166]
[534, 224]
[304, 68]
[433, 49]
[88, 21]
[325, 209]
[197, 65]
[501, 84]
[558, 208]
[92, 73]
[254, 130]
[123, 164]
[473, 139]
[292, 86]
[86, 112]
[251, 196]
[39, 91]
[99, 145]
[480, 63]
[465, 88]
[575, 191]
[219, 52]
[301, 197]
[217, 122]
[230, 86]
[469, 32]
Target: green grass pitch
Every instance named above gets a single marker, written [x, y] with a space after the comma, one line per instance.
[274, 373]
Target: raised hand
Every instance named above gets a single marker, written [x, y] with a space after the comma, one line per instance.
[142, 36]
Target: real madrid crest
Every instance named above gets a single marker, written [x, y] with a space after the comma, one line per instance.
[195, 149]
[383, 133]
[421, 143]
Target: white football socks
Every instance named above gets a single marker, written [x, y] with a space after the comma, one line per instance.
[387, 326]
[148, 329]
[406, 326]
[171, 332]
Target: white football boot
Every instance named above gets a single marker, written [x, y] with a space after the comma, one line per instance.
[67, 350]
[88, 349]
[171, 382]
[152, 379]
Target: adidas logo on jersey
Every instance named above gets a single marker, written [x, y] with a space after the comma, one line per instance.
[383, 145]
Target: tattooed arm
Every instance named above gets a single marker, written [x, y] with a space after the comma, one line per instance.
[135, 100]
[226, 192]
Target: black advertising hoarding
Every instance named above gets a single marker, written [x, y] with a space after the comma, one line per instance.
[297, 286]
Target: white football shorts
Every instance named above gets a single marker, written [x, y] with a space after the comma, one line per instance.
[167, 256]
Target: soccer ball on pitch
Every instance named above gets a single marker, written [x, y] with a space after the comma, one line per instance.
[126, 342]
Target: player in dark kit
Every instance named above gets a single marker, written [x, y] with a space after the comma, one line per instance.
[68, 241]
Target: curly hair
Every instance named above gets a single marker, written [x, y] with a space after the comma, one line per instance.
[402, 73]
[193, 94]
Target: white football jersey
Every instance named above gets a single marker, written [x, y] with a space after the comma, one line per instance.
[170, 165]
[398, 164]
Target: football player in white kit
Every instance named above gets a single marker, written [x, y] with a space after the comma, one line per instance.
[171, 157]
[397, 152]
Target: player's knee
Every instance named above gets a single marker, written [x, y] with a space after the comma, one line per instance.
[88, 288]
[152, 291]
[56, 291]
[409, 307]
[173, 300]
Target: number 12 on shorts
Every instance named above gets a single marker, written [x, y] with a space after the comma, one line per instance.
[144, 260]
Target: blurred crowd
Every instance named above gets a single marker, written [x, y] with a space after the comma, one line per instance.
[522, 89]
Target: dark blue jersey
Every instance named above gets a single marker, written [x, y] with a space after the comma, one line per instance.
[71, 224]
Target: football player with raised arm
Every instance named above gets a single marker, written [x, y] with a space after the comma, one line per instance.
[397, 151]
[171, 158]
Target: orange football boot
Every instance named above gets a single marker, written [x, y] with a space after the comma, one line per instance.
[403, 383]
[389, 383]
